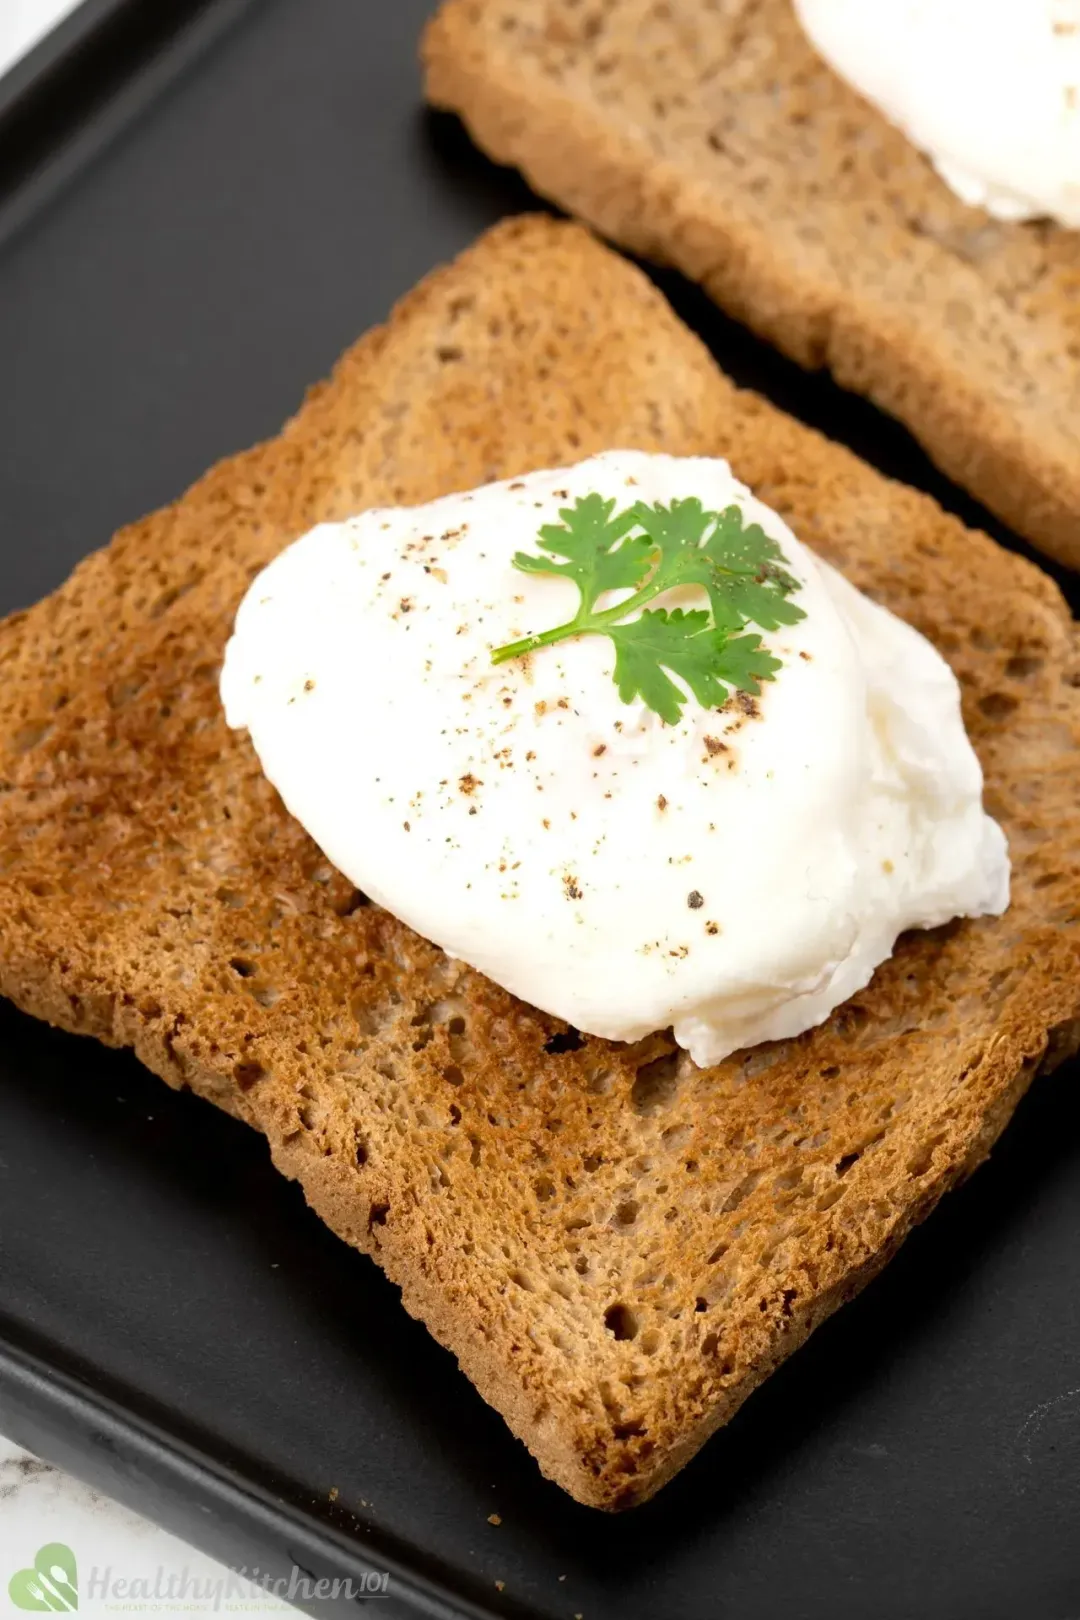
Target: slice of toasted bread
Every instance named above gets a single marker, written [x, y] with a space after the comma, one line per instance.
[617, 1247]
[711, 137]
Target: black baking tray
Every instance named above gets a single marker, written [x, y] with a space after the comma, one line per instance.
[200, 206]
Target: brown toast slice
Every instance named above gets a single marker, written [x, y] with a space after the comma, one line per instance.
[707, 134]
[617, 1247]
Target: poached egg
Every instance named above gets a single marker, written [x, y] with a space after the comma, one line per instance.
[989, 89]
[735, 875]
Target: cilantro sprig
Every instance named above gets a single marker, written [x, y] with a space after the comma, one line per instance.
[652, 549]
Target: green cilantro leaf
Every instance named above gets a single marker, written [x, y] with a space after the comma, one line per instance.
[743, 663]
[588, 539]
[745, 548]
[744, 601]
[689, 646]
[739, 567]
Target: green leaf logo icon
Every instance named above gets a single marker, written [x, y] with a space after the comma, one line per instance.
[52, 1586]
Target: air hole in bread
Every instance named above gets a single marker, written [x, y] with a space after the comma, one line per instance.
[850, 1020]
[371, 1015]
[997, 705]
[457, 1038]
[655, 1084]
[626, 1431]
[248, 1074]
[740, 1192]
[621, 1322]
[356, 901]
[568, 1040]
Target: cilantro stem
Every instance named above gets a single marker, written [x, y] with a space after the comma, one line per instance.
[547, 638]
[582, 625]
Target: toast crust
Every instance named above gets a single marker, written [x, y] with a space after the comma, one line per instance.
[617, 1247]
[715, 140]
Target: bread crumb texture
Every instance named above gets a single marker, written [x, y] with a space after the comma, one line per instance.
[617, 1246]
[709, 135]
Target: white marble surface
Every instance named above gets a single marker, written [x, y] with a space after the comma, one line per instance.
[24, 22]
[118, 1562]
[39, 1505]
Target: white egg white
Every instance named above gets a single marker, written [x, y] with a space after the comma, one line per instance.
[989, 89]
[735, 876]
